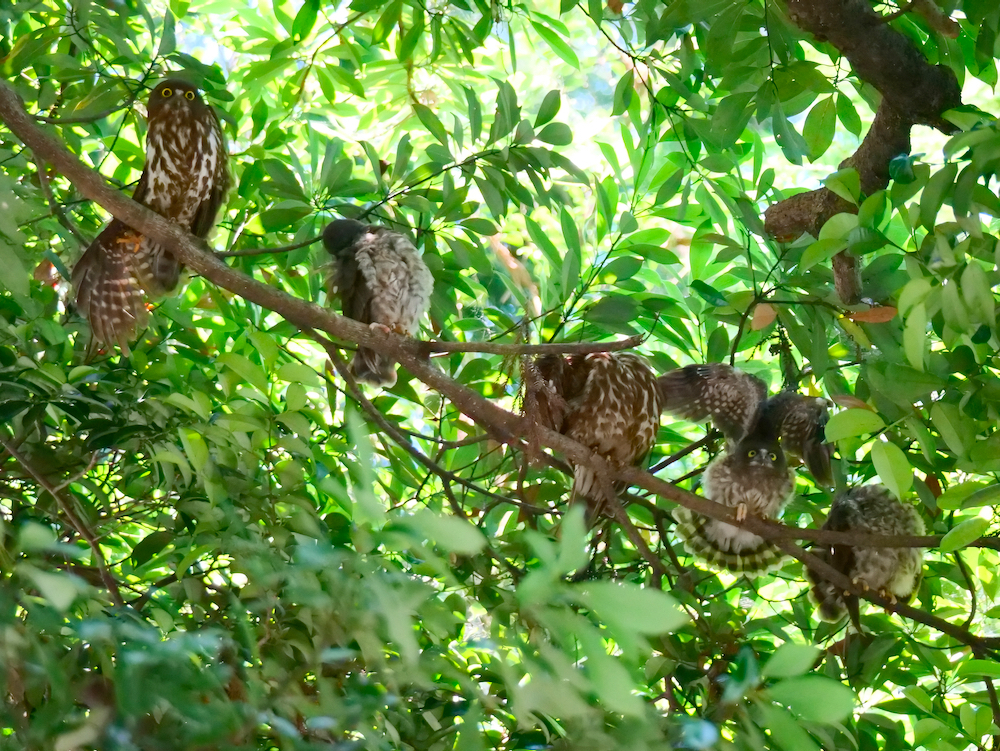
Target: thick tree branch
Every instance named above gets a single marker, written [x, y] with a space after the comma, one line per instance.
[913, 91]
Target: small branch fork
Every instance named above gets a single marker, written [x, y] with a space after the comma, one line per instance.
[78, 524]
[502, 425]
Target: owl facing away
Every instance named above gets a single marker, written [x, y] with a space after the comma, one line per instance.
[607, 401]
[382, 281]
[893, 572]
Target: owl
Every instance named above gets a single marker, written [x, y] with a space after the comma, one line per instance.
[739, 406]
[892, 572]
[751, 476]
[382, 281]
[752, 473]
[185, 178]
[607, 401]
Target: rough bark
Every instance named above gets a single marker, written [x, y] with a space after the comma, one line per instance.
[913, 91]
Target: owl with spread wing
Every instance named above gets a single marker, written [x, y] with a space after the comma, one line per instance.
[185, 178]
[607, 401]
[382, 281]
[752, 474]
[892, 572]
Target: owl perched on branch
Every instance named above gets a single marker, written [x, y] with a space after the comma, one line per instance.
[607, 401]
[892, 572]
[382, 281]
[752, 474]
[185, 178]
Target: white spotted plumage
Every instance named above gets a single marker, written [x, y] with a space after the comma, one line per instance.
[894, 572]
[612, 406]
[382, 280]
[185, 178]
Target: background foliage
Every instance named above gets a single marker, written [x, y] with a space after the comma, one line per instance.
[287, 574]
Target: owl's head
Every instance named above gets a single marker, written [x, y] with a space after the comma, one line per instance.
[174, 95]
[767, 454]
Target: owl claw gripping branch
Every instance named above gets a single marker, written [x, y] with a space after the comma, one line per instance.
[751, 475]
[185, 178]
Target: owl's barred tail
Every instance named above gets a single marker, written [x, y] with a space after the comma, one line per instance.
[371, 367]
[691, 528]
[829, 600]
[107, 293]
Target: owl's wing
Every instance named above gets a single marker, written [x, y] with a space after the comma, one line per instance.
[732, 398]
[800, 421]
[544, 377]
[208, 210]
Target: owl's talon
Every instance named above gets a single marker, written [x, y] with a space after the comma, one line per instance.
[741, 512]
[132, 238]
[857, 581]
[887, 595]
[380, 327]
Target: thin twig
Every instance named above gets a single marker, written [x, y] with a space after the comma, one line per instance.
[57, 209]
[266, 251]
[75, 521]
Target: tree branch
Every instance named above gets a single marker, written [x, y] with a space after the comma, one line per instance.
[503, 425]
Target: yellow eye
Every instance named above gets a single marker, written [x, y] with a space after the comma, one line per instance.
[189, 95]
[774, 457]
[168, 92]
[752, 453]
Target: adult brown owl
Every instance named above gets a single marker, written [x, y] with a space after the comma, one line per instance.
[609, 402]
[382, 281]
[752, 474]
[185, 178]
[893, 572]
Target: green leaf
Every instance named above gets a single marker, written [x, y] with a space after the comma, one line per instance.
[557, 134]
[613, 310]
[549, 108]
[305, 19]
[791, 659]
[557, 44]
[640, 609]
[934, 193]
[431, 122]
[820, 127]
[820, 252]
[915, 336]
[948, 420]
[709, 294]
[852, 422]
[59, 589]
[815, 698]
[962, 534]
[451, 533]
[893, 467]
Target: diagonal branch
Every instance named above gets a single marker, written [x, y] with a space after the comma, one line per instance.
[501, 424]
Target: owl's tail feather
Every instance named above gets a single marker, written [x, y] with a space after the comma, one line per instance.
[830, 601]
[691, 528]
[371, 367]
[107, 293]
[155, 269]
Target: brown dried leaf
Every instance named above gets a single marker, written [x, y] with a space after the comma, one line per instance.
[851, 402]
[763, 316]
[882, 314]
